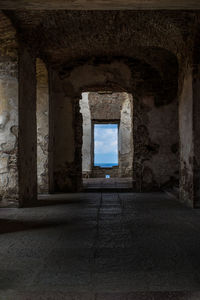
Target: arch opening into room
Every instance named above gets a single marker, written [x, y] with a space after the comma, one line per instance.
[107, 144]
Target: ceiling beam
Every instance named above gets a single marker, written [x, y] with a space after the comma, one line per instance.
[100, 4]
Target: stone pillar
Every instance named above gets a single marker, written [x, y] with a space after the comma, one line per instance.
[78, 127]
[196, 133]
[87, 135]
[66, 135]
[52, 78]
[189, 130]
[42, 126]
[27, 153]
[186, 140]
[126, 137]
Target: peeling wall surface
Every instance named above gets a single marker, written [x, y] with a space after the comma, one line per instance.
[8, 130]
[186, 140]
[155, 117]
[196, 134]
[163, 143]
[8, 113]
[42, 126]
[146, 54]
[87, 135]
[126, 151]
[105, 107]
[27, 140]
[156, 162]
[66, 161]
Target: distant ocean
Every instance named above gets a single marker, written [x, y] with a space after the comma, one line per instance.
[110, 165]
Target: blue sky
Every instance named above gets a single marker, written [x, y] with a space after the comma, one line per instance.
[105, 143]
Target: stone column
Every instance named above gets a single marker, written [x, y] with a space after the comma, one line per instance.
[42, 126]
[27, 153]
[87, 135]
[65, 138]
[196, 133]
[186, 140]
[189, 131]
[52, 79]
[126, 137]
[78, 132]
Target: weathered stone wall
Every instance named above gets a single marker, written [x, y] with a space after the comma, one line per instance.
[87, 135]
[27, 152]
[186, 134]
[196, 128]
[156, 162]
[42, 126]
[147, 66]
[155, 115]
[115, 107]
[98, 172]
[107, 106]
[66, 156]
[8, 130]
[126, 150]
[8, 113]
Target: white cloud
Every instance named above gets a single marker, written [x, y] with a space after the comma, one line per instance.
[106, 140]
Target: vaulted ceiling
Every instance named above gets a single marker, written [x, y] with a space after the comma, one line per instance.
[151, 42]
[66, 36]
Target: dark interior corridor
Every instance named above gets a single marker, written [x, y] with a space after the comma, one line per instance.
[99, 149]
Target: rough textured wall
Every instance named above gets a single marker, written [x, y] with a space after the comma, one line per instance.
[87, 78]
[117, 107]
[27, 154]
[186, 140]
[150, 145]
[42, 126]
[105, 106]
[126, 151]
[156, 162]
[87, 135]
[66, 161]
[196, 128]
[8, 112]
[8, 130]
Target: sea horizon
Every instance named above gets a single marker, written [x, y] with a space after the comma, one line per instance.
[106, 165]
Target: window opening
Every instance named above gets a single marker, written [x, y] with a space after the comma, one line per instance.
[106, 145]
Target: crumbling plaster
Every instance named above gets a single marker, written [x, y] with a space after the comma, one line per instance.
[186, 140]
[117, 76]
[159, 42]
[107, 107]
[8, 130]
[27, 140]
[87, 135]
[42, 126]
[126, 146]
[8, 112]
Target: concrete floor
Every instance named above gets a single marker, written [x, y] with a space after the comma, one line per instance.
[99, 184]
[100, 246]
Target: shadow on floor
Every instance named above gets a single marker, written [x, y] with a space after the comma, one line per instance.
[8, 226]
[103, 296]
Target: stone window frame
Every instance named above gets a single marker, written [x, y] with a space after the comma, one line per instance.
[103, 121]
